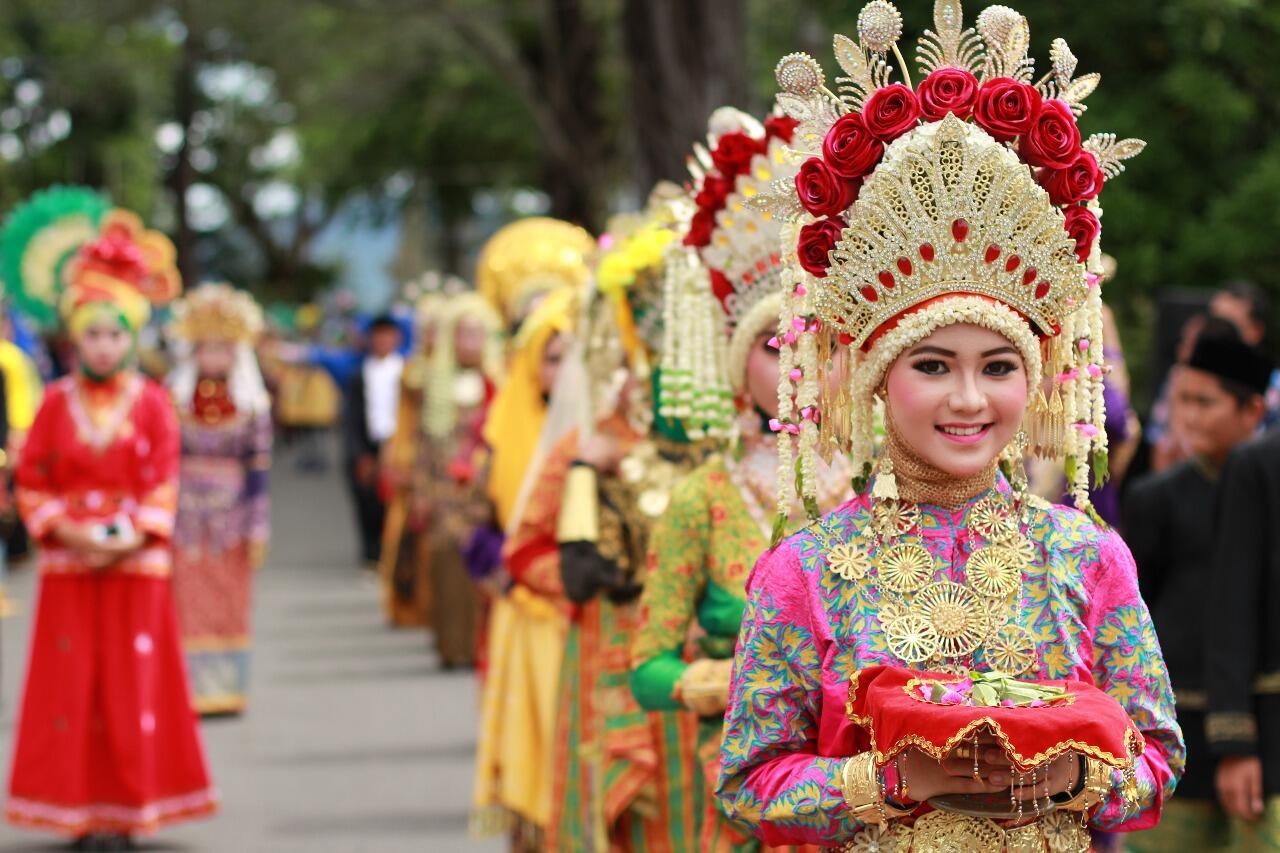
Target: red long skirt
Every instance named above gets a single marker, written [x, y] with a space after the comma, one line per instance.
[107, 739]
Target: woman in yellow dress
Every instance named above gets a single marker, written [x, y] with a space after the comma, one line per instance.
[528, 620]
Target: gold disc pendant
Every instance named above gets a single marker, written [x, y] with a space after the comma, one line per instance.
[905, 567]
[956, 615]
[995, 571]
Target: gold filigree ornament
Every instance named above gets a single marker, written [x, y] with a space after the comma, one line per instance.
[1026, 549]
[904, 567]
[1011, 650]
[799, 74]
[993, 519]
[849, 560]
[1063, 833]
[1024, 839]
[894, 517]
[911, 637]
[949, 832]
[886, 838]
[955, 614]
[890, 609]
[995, 571]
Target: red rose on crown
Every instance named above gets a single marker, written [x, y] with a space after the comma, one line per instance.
[849, 147]
[822, 191]
[891, 111]
[700, 228]
[1083, 227]
[1080, 181]
[1006, 108]
[817, 239]
[948, 90]
[781, 127]
[1053, 140]
[715, 189]
[734, 152]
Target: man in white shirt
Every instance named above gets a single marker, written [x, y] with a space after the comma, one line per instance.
[369, 420]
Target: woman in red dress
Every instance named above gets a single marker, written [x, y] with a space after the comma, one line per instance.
[107, 743]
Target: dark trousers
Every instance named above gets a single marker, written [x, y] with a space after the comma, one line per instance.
[371, 513]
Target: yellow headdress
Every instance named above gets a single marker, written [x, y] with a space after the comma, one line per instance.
[515, 418]
[968, 199]
[217, 312]
[529, 257]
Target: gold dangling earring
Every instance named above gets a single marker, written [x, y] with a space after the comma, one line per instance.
[1015, 458]
[886, 485]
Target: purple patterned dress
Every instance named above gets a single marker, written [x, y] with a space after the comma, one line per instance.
[221, 535]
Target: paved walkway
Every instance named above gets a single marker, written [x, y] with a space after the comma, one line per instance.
[353, 741]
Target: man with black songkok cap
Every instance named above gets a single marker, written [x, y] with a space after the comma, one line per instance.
[1170, 523]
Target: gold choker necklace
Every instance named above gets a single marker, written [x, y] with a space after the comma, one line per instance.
[921, 482]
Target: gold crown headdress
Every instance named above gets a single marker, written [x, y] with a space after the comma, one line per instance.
[531, 256]
[737, 269]
[217, 312]
[969, 198]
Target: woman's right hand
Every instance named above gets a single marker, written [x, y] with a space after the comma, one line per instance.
[924, 777]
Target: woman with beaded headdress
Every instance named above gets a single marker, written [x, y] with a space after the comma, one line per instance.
[523, 640]
[724, 325]
[402, 568]
[945, 238]
[621, 776]
[107, 743]
[449, 504]
[223, 521]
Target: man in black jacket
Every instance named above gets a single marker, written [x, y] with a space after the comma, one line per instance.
[1242, 663]
[1169, 523]
[369, 419]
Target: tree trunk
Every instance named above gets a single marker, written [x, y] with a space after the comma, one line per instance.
[685, 59]
[569, 78]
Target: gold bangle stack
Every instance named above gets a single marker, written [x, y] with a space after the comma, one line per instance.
[860, 784]
[1097, 784]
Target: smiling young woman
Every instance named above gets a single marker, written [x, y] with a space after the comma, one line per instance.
[961, 285]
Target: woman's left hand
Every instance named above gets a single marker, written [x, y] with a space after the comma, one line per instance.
[1062, 774]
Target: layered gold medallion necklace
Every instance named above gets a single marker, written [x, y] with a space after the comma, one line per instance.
[938, 624]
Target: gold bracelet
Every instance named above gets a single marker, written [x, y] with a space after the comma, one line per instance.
[862, 794]
[1097, 784]
[579, 519]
